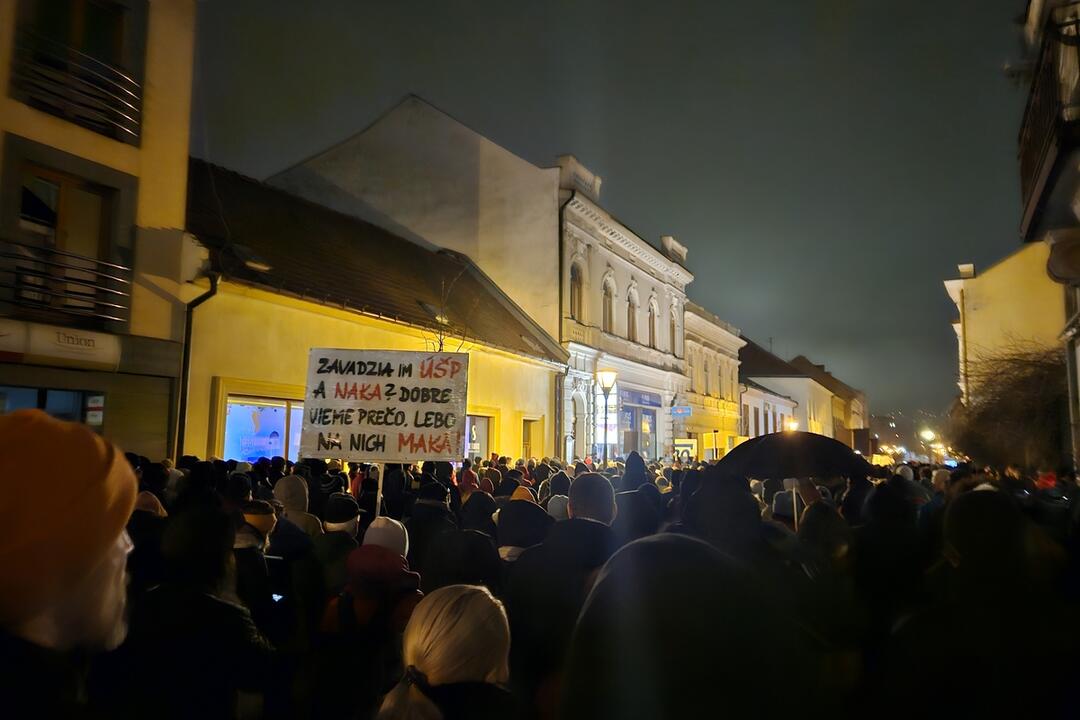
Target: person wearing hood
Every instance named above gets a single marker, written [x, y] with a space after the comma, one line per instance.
[63, 554]
[521, 524]
[545, 590]
[637, 517]
[477, 512]
[292, 492]
[491, 479]
[431, 517]
[455, 654]
[558, 507]
[699, 639]
[634, 473]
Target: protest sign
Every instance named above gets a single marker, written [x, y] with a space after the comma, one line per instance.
[385, 405]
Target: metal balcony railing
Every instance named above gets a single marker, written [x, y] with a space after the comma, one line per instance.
[60, 80]
[44, 283]
[1053, 105]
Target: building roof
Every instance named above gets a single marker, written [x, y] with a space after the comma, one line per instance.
[756, 361]
[323, 256]
[825, 378]
[758, 386]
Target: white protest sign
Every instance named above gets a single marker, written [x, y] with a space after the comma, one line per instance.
[385, 405]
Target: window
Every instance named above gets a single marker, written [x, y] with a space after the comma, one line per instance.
[262, 427]
[82, 60]
[783, 426]
[674, 336]
[757, 421]
[65, 213]
[652, 325]
[631, 318]
[708, 387]
[691, 371]
[575, 292]
[745, 420]
[768, 414]
[608, 324]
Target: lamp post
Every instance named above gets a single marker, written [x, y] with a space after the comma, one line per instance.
[606, 378]
[928, 436]
[715, 447]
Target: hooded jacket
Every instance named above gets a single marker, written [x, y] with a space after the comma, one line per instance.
[292, 492]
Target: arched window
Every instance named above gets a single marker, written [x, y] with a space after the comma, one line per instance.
[608, 320]
[652, 325]
[631, 317]
[575, 292]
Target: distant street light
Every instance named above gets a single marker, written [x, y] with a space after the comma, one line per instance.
[791, 425]
[927, 435]
[606, 378]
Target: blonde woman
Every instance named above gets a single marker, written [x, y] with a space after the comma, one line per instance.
[456, 649]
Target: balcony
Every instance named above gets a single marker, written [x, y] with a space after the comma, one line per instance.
[60, 80]
[1050, 129]
[48, 285]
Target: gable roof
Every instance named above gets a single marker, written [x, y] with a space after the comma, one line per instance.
[825, 378]
[758, 386]
[756, 361]
[323, 256]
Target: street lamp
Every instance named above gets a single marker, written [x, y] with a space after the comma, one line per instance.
[606, 378]
[928, 438]
[792, 425]
[715, 447]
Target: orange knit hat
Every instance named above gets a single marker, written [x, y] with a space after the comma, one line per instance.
[523, 493]
[57, 525]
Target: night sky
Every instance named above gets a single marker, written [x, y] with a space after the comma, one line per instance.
[827, 162]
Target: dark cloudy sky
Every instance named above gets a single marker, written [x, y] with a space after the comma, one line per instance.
[827, 162]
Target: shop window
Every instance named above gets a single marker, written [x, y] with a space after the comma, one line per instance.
[63, 404]
[261, 427]
[478, 432]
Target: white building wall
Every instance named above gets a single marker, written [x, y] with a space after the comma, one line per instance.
[755, 398]
[422, 174]
[814, 402]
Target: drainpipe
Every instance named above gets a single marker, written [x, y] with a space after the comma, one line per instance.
[185, 367]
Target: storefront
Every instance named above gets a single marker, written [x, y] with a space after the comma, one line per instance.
[632, 422]
[120, 385]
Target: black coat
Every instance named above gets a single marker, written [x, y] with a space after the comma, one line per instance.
[38, 681]
[546, 588]
[189, 653]
[427, 523]
[474, 701]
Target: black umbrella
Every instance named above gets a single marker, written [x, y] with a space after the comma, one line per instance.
[792, 455]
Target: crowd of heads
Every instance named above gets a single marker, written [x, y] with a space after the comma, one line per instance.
[528, 588]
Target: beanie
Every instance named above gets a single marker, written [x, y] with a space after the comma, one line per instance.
[388, 533]
[55, 533]
[340, 507]
[522, 493]
[259, 514]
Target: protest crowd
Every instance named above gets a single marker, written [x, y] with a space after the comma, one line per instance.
[525, 588]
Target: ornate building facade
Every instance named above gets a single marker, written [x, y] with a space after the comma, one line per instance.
[622, 309]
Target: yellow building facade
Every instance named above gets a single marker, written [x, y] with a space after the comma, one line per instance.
[250, 344]
[289, 275]
[1011, 305]
[93, 173]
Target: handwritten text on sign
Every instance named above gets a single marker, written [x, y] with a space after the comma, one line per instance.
[385, 405]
